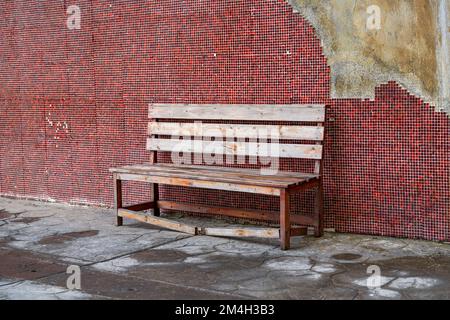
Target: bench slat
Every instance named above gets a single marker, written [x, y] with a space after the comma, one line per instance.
[271, 216]
[270, 233]
[226, 170]
[160, 222]
[198, 183]
[301, 113]
[274, 180]
[269, 181]
[205, 177]
[300, 151]
[236, 131]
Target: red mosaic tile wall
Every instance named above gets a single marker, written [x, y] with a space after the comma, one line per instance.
[388, 166]
[73, 103]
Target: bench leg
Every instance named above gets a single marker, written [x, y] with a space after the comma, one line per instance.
[156, 210]
[318, 211]
[118, 199]
[285, 223]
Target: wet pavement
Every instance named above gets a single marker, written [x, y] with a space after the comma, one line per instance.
[39, 241]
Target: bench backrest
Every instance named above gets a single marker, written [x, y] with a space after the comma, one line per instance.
[302, 124]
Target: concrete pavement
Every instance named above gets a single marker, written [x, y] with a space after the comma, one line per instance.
[39, 241]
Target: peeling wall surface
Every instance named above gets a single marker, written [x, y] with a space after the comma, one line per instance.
[406, 47]
[74, 98]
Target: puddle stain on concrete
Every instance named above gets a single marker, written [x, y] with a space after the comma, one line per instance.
[65, 237]
[6, 240]
[23, 265]
[162, 256]
[347, 256]
[5, 214]
[144, 260]
[27, 220]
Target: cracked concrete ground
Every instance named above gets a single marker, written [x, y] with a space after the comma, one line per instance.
[38, 241]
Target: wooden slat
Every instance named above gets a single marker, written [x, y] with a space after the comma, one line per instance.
[227, 170]
[299, 231]
[156, 211]
[160, 222]
[304, 186]
[204, 176]
[233, 212]
[204, 173]
[285, 222]
[247, 232]
[214, 210]
[303, 113]
[117, 198]
[141, 206]
[318, 164]
[300, 151]
[270, 233]
[196, 183]
[314, 133]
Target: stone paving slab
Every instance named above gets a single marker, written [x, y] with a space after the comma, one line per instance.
[74, 233]
[38, 241]
[130, 286]
[19, 264]
[30, 290]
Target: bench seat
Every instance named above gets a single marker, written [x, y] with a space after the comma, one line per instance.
[219, 178]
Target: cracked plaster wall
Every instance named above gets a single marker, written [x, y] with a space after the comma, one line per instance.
[409, 47]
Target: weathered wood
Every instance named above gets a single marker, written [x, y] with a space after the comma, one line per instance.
[303, 113]
[215, 210]
[274, 150]
[187, 182]
[271, 216]
[299, 231]
[271, 233]
[231, 179]
[117, 199]
[245, 232]
[160, 222]
[307, 185]
[280, 132]
[154, 154]
[141, 206]
[235, 175]
[318, 211]
[285, 224]
[154, 157]
[227, 170]
[216, 176]
[207, 177]
[156, 211]
[319, 163]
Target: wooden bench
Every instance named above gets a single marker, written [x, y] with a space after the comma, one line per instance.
[291, 126]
